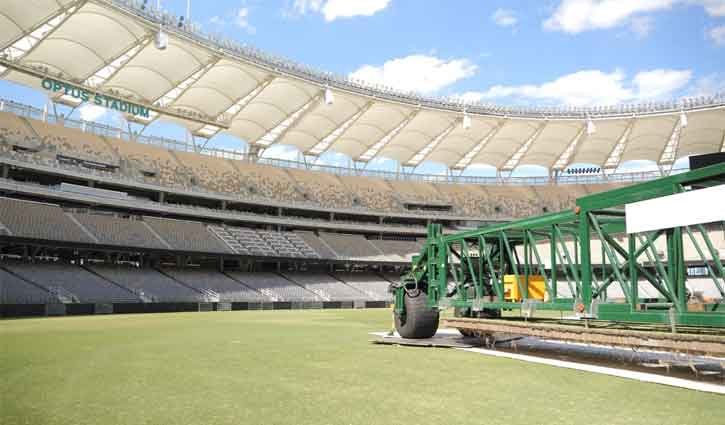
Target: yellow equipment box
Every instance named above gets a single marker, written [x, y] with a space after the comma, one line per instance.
[537, 288]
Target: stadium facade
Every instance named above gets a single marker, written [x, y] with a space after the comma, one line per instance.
[103, 219]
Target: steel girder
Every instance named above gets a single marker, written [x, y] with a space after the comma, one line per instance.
[467, 269]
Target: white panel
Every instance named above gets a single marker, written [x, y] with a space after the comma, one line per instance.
[681, 209]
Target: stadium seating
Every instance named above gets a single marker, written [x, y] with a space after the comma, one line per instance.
[274, 286]
[264, 181]
[227, 288]
[318, 245]
[187, 235]
[371, 284]
[417, 192]
[112, 230]
[372, 193]
[14, 131]
[403, 249]
[325, 286]
[72, 283]
[151, 164]
[148, 283]
[14, 290]
[323, 188]
[74, 143]
[214, 174]
[468, 199]
[351, 246]
[40, 221]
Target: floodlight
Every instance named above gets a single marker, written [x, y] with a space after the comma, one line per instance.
[591, 128]
[466, 121]
[161, 40]
[329, 97]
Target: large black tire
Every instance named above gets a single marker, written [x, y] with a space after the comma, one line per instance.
[419, 321]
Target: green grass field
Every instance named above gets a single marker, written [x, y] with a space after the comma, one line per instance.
[297, 367]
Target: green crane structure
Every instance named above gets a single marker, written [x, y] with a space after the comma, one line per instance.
[466, 270]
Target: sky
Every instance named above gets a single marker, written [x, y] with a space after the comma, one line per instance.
[543, 52]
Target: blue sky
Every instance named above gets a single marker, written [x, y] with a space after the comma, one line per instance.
[580, 52]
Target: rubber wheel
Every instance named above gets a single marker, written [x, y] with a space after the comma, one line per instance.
[420, 321]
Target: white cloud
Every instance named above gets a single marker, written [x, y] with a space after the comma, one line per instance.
[591, 87]
[504, 18]
[417, 73]
[575, 16]
[708, 85]
[90, 112]
[241, 19]
[642, 26]
[216, 20]
[335, 9]
[660, 83]
[717, 35]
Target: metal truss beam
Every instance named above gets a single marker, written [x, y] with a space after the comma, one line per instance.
[373, 151]
[565, 157]
[466, 160]
[615, 156]
[288, 123]
[24, 44]
[514, 160]
[421, 155]
[335, 134]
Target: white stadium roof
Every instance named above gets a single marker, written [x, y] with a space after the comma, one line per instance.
[211, 86]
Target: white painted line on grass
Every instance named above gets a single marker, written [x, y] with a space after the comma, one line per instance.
[621, 373]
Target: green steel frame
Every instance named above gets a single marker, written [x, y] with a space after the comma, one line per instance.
[466, 269]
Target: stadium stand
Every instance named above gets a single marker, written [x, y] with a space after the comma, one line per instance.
[318, 245]
[325, 286]
[150, 164]
[505, 202]
[351, 246]
[40, 221]
[14, 290]
[371, 193]
[71, 283]
[324, 188]
[14, 131]
[469, 199]
[147, 283]
[264, 181]
[187, 235]
[417, 192]
[215, 174]
[403, 249]
[371, 284]
[112, 230]
[274, 286]
[207, 281]
[74, 143]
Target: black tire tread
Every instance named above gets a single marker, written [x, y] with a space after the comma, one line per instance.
[420, 320]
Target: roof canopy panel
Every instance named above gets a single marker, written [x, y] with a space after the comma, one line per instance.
[208, 85]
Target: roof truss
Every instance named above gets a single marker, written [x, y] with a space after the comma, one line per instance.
[335, 134]
[372, 152]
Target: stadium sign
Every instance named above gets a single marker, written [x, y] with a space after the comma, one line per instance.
[99, 99]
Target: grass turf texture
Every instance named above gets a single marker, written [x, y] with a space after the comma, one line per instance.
[297, 367]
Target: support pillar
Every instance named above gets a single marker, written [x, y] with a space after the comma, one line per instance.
[162, 197]
[5, 171]
[585, 261]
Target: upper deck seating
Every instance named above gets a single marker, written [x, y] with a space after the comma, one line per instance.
[373, 193]
[74, 143]
[15, 131]
[467, 199]
[151, 163]
[321, 187]
[211, 173]
[265, 181]
[417, 192]
[39, 221]
[326, 286]
[510, 202]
